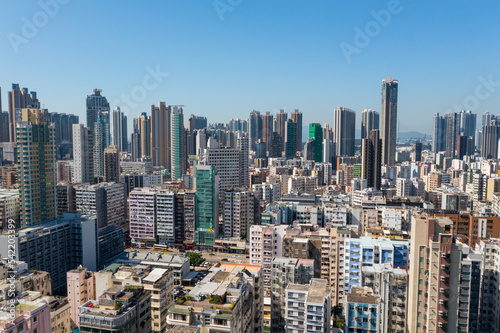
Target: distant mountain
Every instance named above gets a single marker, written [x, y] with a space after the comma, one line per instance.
[412, 135]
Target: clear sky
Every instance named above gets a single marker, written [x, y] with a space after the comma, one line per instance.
[225, 58]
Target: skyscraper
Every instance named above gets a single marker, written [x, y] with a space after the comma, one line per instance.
[343, 131]
[316, 133]
[101, 142]
[119, 129]
[369, 121]
[281, 118]
[37, 173]
[178, 141]
[275, 145]
[297, 117]
[145, 134]
[371, 159]
[97, 108]
[19, 99]
[491, 135]
[255, 122]
[243, 145]
[267, 128]
[83, 154]
[389, 124]
[207, 194]
[196, 122]
[290, 140]
[438, 133]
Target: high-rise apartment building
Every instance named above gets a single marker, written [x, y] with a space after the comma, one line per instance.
[19, 99]
[297, 118]
[80, 288]
[106, 200]
[98, 108]
[119, 132]
[238, 212]
[243, 144]
[491, 135]
[343, 131]
[255, 128]
[370, 120]
[178, 144]
[197, 122]
[308, 307]
[112, 164]
[281, 118]
[161, 135]
[371, 159]
[83, 154]
[144, 127]
[290, 139]
[389, 121]
[142, 216]
[267, 128]
[37, 167]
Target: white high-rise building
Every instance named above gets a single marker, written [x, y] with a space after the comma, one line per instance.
[238, 212]
[165, 216]
[142, 216]
[83, 155]
[266, 244]
[308, 307]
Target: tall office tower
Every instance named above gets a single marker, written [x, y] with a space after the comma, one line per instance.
[343, 131]
[19, 99]
[439, 133]
[465, 146]
[120, 134]
[83, 154]
[316, 133]
[4, 130]
[242, 143]
[452, 132]
[196, 122]
[101, 142]
[255, 123]
[112, 164]
[97, 108]
[370, 120]
[238, 206]
[207, 205]
[281, 118]
[35, 136]
[275, 145]
[290, 140]
[371, 159]
[491, 135]
[418, 151]
[388, 128]
[433, 273]
[309, 149]
[178, 144]
[145, 134]
[267, 128]
[297, 117]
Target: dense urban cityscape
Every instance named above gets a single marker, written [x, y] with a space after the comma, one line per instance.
[232, 166]
[263, 224]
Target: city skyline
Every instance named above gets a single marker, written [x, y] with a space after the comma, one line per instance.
[271, 79]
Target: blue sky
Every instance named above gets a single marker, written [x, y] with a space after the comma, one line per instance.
[263, 55]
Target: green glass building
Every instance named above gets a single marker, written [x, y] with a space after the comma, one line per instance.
[316, 133]
[207, 220]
